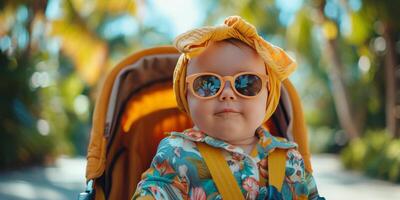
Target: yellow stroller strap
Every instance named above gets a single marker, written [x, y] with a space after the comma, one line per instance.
[277, 168]
[220, 172]
[223, 176]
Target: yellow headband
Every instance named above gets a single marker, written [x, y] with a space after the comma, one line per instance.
[278, 63]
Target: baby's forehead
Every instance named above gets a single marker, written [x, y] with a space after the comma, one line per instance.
[227, 57]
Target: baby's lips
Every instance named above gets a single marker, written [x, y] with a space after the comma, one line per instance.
[227, 110]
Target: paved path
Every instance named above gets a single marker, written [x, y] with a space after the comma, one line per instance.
[336, 183]
[66, 179]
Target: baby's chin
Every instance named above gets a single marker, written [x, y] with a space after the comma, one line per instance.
[229, 135]
[228, 128]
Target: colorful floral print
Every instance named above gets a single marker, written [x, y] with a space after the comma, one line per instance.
[179, 172]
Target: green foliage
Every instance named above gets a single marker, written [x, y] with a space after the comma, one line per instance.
[21, 143]
[362, 26]
[376, 154]
[44, 102]
[25, 147]
[50, 61]
[299, 34]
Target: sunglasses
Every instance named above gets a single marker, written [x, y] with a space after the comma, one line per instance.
[209, 85]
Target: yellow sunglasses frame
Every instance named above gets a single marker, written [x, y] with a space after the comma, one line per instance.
[190, 79]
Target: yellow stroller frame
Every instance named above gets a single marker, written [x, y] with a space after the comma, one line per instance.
[134, 110]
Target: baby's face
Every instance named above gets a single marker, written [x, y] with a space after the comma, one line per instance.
[226, 59]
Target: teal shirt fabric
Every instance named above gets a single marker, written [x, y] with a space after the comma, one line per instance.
[178, 171]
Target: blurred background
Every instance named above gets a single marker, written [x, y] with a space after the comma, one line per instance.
[54, 55]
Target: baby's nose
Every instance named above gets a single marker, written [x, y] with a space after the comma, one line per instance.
[227, 92]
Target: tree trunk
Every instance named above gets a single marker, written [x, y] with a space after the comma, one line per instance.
[392, 76]
[340, 93]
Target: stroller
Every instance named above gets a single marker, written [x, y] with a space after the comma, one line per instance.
[135, 109]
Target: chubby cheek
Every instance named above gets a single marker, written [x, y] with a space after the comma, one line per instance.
[255, 110]
[201, 111]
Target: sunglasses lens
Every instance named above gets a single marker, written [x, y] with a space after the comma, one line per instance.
[206, 85]
[248, 84]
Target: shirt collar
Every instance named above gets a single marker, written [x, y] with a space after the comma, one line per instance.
[266, 144]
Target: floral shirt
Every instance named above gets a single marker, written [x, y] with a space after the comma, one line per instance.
[178, 171]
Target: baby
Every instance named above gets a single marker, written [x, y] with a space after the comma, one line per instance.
[228, 81]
